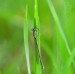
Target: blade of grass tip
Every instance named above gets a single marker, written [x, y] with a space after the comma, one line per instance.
[37, 66]
[55, 16]
[69, 61]
[26, 41]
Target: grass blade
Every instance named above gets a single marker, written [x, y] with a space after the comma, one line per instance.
[69, 61]
[56, 18]
[37, 66]
[50, 54]
[26, 41]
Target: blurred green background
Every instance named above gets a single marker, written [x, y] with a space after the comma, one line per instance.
[53, 49]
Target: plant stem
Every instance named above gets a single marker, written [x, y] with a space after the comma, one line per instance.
[26, 41]
[37, 66]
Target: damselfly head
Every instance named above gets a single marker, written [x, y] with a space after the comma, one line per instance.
[33, 29]
[34, 32]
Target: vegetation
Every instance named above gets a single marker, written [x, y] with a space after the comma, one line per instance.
[55, 24]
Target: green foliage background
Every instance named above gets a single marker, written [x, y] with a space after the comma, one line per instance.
[56, 58]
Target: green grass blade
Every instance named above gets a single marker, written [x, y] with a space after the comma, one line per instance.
[69, 61]
[37, 66]
[50, 54]
[58, 24]
[56, 18]
[26, 41]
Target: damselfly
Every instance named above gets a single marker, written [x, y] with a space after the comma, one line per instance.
[38, 55]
